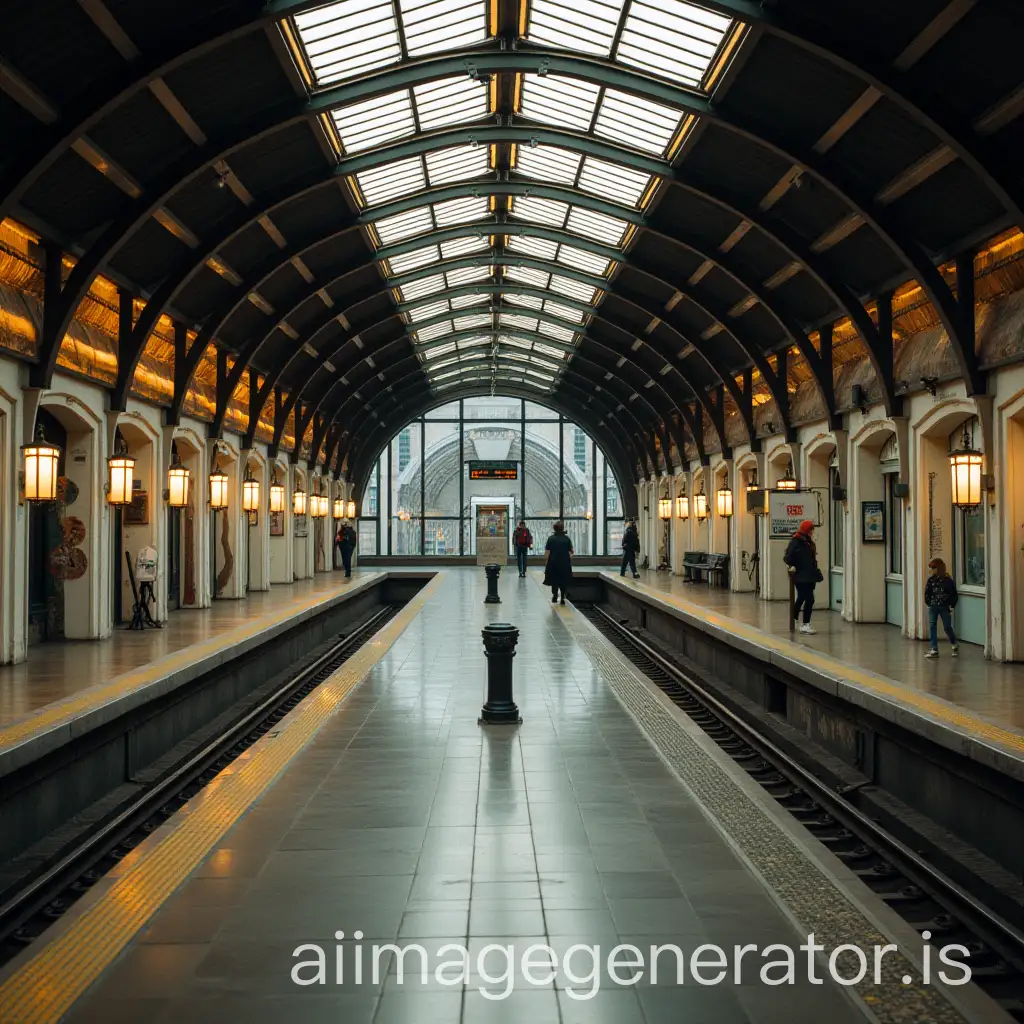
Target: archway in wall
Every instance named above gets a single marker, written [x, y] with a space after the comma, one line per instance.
[184, 575]
[256, 528]
[224, 564]
[956, 535]
[876, 530]
[302, 560]
[773, 570]
[721, 526]
[745, 571]
[701, 529]
[320, 527]
[1013, 518]
[820, 476]
[279, 541]
[136, 527]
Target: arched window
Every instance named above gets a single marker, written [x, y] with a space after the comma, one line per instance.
[421, 495]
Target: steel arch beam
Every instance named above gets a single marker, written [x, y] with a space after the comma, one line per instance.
[484, 61]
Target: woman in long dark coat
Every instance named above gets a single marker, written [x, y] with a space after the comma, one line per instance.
[558, 563]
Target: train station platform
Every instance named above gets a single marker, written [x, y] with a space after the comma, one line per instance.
[968, 704]
[66, 687]
[381, 809]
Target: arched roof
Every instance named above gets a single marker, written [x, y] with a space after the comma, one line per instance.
[633, 210]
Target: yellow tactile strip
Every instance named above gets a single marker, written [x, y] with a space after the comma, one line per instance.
[96, 696]
[976, 728]
[44, 988]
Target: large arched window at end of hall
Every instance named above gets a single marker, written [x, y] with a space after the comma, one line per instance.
[420, 500]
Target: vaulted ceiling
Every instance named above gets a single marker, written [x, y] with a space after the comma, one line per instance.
[634, 210]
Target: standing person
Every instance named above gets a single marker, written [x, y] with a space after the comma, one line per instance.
[630, 549]
[802, 558]
[522, 541]
[347, 544]
[941, 597]
[558, 562]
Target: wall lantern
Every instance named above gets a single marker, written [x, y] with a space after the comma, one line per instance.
[788, 482]
[299, 502]
[965, 468]
[276, 495]
[39, 464]
[321, 506]
[682, 507]
[120, 471]
[250, 496]
[700, 505]
[350, 508]
[179, 481]
[752, 482]
[339, 508]
[665, 509]
[724, 502]
[218, 488]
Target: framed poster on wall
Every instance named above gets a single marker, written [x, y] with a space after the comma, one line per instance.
[491, 534]
[276, 524]
[872, 521]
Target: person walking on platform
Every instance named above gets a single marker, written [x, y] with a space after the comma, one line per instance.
[522, 541]
[941, 597]
[558, 563]
[346, 545]
[802, 558]
[630, 549]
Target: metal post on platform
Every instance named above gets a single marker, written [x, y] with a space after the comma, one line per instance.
[792, 603]
[493, 572]
[500, 639]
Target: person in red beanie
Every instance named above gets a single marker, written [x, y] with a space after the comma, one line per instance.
[802, 558]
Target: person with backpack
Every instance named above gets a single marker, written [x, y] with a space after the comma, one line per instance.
[346, 541]
[630, 549]
[802, 558]
[522, 541]
[941, 597]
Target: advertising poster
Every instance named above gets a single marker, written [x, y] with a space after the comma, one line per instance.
[491, 534]
[788, 509]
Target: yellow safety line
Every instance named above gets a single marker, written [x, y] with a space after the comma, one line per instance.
[136, 678]
[46, 986]
[836, 669]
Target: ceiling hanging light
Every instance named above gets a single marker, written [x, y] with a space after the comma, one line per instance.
[218, 488]
[179, 481]
[40, 461]
[965, 473]
[752, 482]
[120, 475]
[787, 482]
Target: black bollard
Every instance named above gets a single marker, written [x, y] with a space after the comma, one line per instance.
[493, 572]
[500, 639]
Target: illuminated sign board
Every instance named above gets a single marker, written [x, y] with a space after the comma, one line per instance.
[492, 470]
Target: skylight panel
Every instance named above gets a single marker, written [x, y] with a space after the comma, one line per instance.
[431, 309]
[565, 312]
[433, 331]
[450, 101]
[435, 25]
[541, 248]
[527, 276]
[671, 38]
[349, 38]
[456, 163]
[374, 122]
[565, 102]
[537, 374]
[578, 259]
[391, 181]
[467, 275]
[442, 363]
[614, 182]
[421, 289]
[516, 342]
[465, 301]
[637, 122]
[461, 246]
[403, 225]
[548, 163]
[585, 26]
[482, 339]
[406, 261]
[439, 350]
[529, 301]
[556, 331]
[460, 211]
[540, 211]
[597, 226]
[573, 289]
[550, 350]
[472, 321]
[516, 321]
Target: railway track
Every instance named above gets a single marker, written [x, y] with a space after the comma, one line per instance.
[922, 895]
[29, 907]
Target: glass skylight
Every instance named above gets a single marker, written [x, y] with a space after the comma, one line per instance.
[563, 102]
[405, 262]
[351, 37]
[609, 181]
[673, 39]
[398, 115]
[423, 219]
[548, 163]
[580, 221]
[413, 174]
[553, 282]
[425, 286]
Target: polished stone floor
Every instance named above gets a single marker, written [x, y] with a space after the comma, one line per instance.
[57, 670]
[406, 820]
[992, 689]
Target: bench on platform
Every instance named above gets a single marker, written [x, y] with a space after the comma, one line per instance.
[696, 563]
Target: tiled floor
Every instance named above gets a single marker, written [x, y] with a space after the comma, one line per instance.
[989, 688]
[58, 670]
[406, 820]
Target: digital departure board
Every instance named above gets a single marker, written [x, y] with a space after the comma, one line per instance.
[492, 470]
